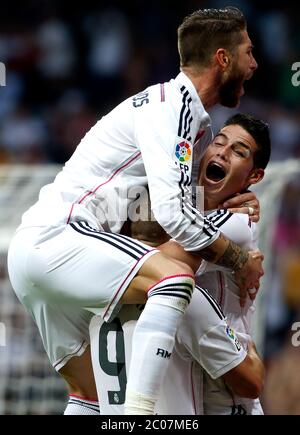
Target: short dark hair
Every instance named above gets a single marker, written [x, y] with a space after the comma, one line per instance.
[206, 30]
[260, 132]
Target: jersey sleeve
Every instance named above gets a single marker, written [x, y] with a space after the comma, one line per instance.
[168, 158]
[220, 351]
[205, 336]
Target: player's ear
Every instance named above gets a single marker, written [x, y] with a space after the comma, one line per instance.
[222, 58]
[256, 175]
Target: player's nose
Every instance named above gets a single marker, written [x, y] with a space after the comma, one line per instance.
[253, 64]
[224, 153]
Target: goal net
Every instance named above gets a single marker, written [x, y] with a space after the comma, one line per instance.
[28, 384]
[279, 235]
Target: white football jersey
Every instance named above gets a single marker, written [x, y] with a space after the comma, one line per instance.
[221, 285]
[181, 392]
[206, 347]
[155, 138]
[203, 339]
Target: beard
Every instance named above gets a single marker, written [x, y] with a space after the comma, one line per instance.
[229, 92]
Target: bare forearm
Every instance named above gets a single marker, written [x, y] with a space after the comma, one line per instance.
[247, 379]
[257, 364]
[222, 251]
[225, 253]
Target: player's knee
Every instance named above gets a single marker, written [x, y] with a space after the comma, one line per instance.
[173, 279]
[174, 289]
[161, 266]
[182, 268]
[158, 268]
[171, 269]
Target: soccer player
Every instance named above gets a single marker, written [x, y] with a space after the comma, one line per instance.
[216, 347]
[67, 258]
[243, 163]
[230, 383]
[232, 162]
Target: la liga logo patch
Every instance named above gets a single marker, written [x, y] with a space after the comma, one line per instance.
[230, 333]
[183, 152]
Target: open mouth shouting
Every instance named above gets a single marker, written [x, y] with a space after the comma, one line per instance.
[215, 172]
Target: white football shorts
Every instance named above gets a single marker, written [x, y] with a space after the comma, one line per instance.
[66, 274]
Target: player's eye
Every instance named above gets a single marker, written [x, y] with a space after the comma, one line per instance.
[241, 152]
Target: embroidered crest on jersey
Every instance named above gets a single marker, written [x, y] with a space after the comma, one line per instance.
[183, 152]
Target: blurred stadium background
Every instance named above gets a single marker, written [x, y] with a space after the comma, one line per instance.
[67, 65]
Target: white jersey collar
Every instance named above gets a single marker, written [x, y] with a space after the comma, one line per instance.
[182, 79]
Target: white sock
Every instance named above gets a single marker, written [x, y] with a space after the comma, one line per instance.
[81, 406]
[153, 341]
